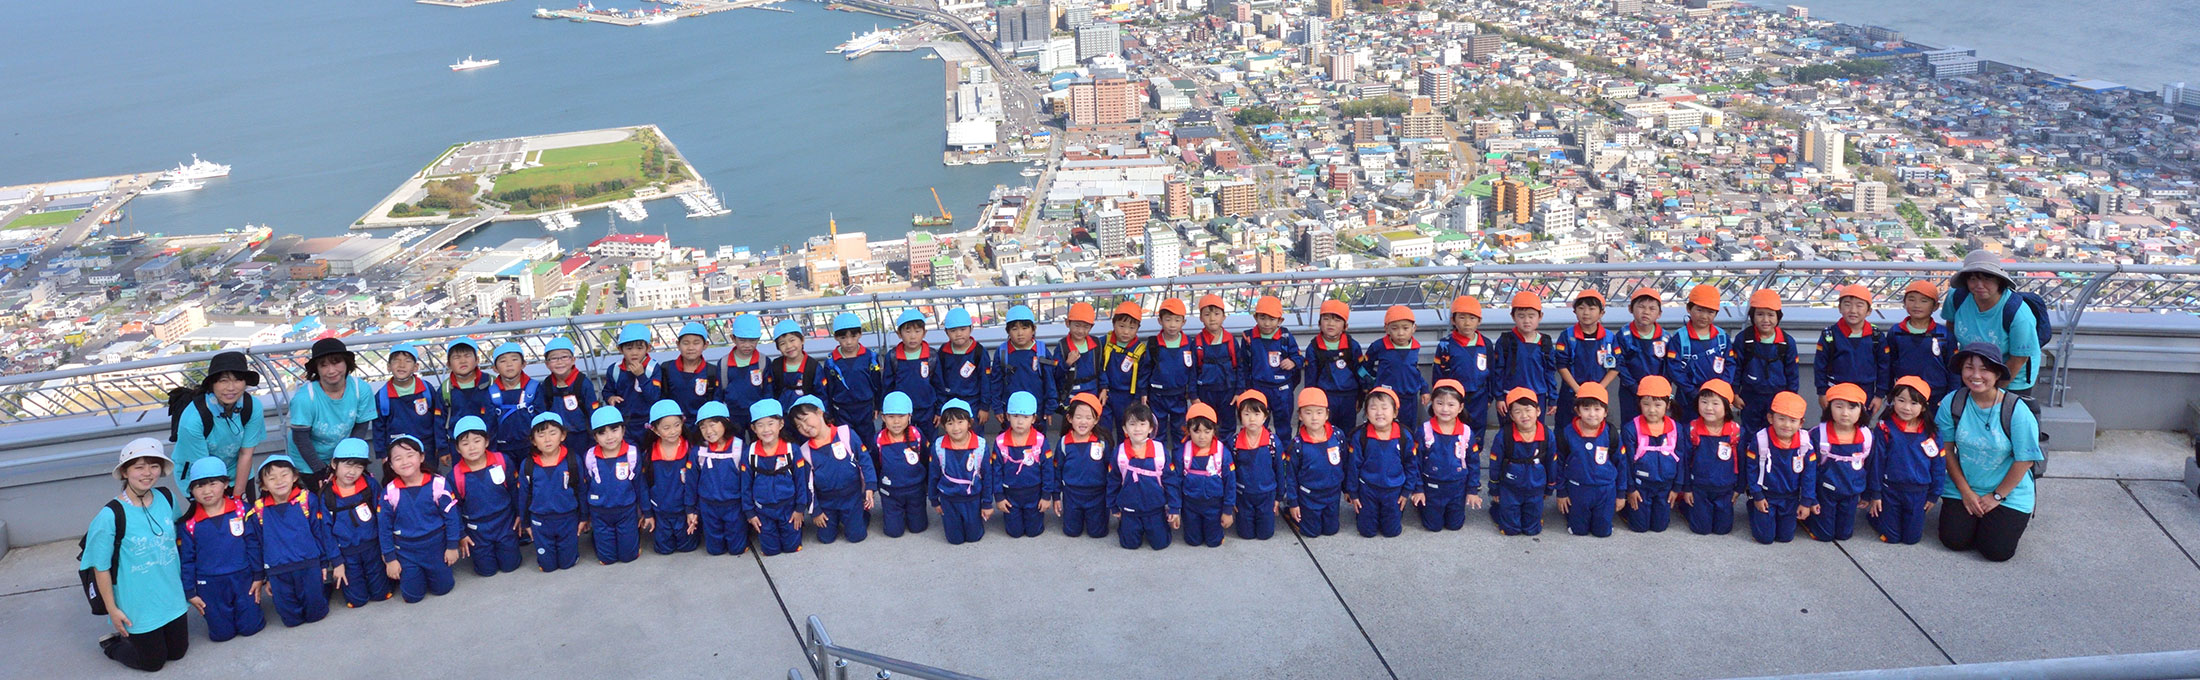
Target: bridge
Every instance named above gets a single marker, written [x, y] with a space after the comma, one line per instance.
[450, 233]
[2107, 567]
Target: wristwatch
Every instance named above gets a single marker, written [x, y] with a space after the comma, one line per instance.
[1998, 497]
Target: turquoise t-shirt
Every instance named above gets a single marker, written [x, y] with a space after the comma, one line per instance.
[1985, 452]
[149, 578]
[330, 418]
[230, 433]
[2020, 339]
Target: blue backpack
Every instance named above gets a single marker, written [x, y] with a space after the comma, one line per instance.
[2041, 323]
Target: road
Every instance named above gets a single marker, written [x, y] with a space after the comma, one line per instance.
[121, 192]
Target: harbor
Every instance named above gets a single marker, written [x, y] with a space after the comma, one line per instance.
[458, 3]
[668, 11]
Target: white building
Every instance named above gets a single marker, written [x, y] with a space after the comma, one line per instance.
[671, 292]
[1405, 243]
[1164, 253]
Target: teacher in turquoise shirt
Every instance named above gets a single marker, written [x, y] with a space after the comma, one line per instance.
[1990, 461]
[138, 572]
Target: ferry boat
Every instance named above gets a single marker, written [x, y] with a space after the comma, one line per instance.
[198, 169]
[660, 17]
[859, 45]
[470, 63]
[175, 187]
[543, 13]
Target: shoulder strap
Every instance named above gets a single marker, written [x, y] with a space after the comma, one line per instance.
[2009, 403]
[382, 401]
[114, 559]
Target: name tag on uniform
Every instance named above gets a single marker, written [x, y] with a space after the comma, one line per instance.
[910, 455]
[1798, 464]
[1275, 359]
[236, 526]
[924, 370]
[1125, 366]
[1603, 454]
[1334, 459]
[622, 470]
[1726, 451]
[1936, 347]
[968, 369]
[420, 407]
[756, 378]
[1718, 364]
[572, 402]
[840, 450]
[1096, 451]
[364, 511]
[1657, 348]
[1932, 448]
[701, 386]
[1858, 463]
[1340, 363]
[1481, 362]
[1606, 359]
[496, 475]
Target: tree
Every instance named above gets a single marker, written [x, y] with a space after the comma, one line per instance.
[580, 301]
[1254, 115]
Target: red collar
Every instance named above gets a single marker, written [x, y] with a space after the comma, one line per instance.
[969, 441]
[1142, 452]
[624, 448]
[1208, 336]
[1523, 337]
[1265, 438]
[554, 462]
[1929, 326]
[488, 460]
[1726, 429]
[681, 364]
[426, 478]
[569, 378]
[1162, 340]
[720, 447]
[1074, 438]
[656, 452]
[778, 447]
[1466, 340]
[1213, 448]
[1272, 336]
[1655, 331]
[735, 358]
[907, 434]
[1458, 427]
[1920, 427]
[860, 351]
[802, 362]
[1833, 435]
[1387, 344]
[824, 440]
[1388, 434]
[1008, 438]
[338, 487]
[1662, 426]
[1795, 442]
[1329, 432]
[1578, 335]
[418, 386]
[1119, 345]
[229, 505]
[524, 379]
[1323, 343]
[974, 347]
[468, 381]
[1539, 435]
[1085, 346]
[1843, 326]
[1710, 332]
[1577, 428]
[1778, 336]
[901, 351]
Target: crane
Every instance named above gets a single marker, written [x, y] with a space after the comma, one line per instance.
[944, 218]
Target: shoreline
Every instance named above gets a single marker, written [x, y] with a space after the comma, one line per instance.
[1780, 8]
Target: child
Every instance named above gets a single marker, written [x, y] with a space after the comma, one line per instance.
[1145, 493]
[1919, 347]
[1849, 350]
[779, 482]
[1083, 468]
[1220, 373]
[511, 397]
[551, 492]
[355, 525]
[670, 476]
[616, 494]
[1641, 352]
[1848, 453]
[856, 382]
[1908, 465]
[1592, 464]
[1698, 353]
[1585, 353]
[689, 379]
[721, 482]
[332, 405]
[568, 393]
[1076, 359]
[843, 483]
[296, 552]
[1022, 365]
[1272, 363]
[487, 486]
[1121, 359]
[1525, 357]
[794, 375]
[1210, 480]
[1331, 360]
[420, 528]
[907, 368]
[1711, 463]
[1025, 466]
[1259, 468]
[1766, 358]
[744, 381]
[1171, 363]
[215, 543]
[466, 389]
[1464, 357]
[1783, 469]
[1386, 469]
[964, 369]
[1451, 460]
[1317, 459]
[904, 468]
[964, 489]
[1653, 441]
[409, 404]
[1522, 469]
[632, 384]
[1394, 361]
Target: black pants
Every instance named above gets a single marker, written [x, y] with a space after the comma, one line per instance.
[150, 651]
[1995, 535]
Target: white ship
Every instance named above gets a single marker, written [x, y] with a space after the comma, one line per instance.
[470, 63]
[559, 222]
[660, 17]
[859, 45]
[701, 204]
[630, 210]
[175, 187]
[198, 169]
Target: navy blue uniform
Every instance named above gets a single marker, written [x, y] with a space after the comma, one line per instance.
[858, 386]
[1845, 359]
[1923, 353]
[912, 373]
[1260, 478]
[1145, 491]
[806, 378]
[636, 392]
[1220, 376]
[722, 496]
[616, 497]
[1084, 468]
[515, 414]
[1264, 360]
[1451, 470]
[1525, 362]
[1692, 359]
[216, 549]
[417, 412]
[1027, 369]
[472, 399]
[1332, 367]
[488, 497]
[1523, 469]
[965, 374]
[355, 525]
[1593, 476]
[1386, 467]
[688, 384]
[904, 481]
[1783, 473]
[745, 384]
[1025, 468]
[1168, 373]
[1210, 490]
[1845, 477]
[963, 485]
[295, 546]
[1318, 467]
[420, 522]
[779, 486]
[1767, 368]
[1711, 470]
[572, 397]
[1655, 461]
[841, 475]
[1081, 376]
[550, 495]
[1911, 473]
[1467, 360]
[1122, 370]
[1587, 357]
[671, 481]
[1639, 357]
[1398, 368]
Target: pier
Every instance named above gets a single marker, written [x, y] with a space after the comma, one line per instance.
[679, 9]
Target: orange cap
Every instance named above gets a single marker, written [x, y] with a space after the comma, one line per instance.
[1856, 290]
[1519, 394]
[1449, 384]
[1397, 313]
[1925, 288]
[1789, 404]
[1588, 294]
[1847, 392]
[1703, 295]
[1719, 387]
[1654, 386]
[1646, 292]
[1527, 300]
[1088, 399]
[1313, 396]
[1081, 311]
[1765, 298]
[1385, 391]
[1593, 390]
[1212, 300]
[1268, 306]
[1466, 304]
[1129, 309]
[1200, 409]
[1252, 396]
[1916, 383]
[1171, 306]
[1337, 308]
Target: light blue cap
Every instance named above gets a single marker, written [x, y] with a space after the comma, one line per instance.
[1023, 404]
[766, 408]
[1021, 313]
[556, 344]
[509, 348]
[605, 416]
[204, 468]
[356, 448]
[550, 418]
[713, 409]
[748, 327]
[695, 328]
[469, 424]
[896, 404]
[664, 408]
[461, 341]
[406, 348]
[632, 332]
[415, 441]
[846, 321]
[908, 316]
[784, 327]
[957, 318]
[810, 400]
[283, 458]
[955, 405]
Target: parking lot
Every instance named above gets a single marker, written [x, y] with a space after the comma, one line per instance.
[479, 156]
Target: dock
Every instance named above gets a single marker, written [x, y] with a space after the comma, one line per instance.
[678, 9]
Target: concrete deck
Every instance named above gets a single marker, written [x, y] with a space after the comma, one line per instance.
[2107, 567]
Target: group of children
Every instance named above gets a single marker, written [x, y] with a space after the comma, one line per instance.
[1204, 433]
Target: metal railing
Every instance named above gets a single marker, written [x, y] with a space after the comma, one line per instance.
[830, 661]
[134, 392]
[2149, 666]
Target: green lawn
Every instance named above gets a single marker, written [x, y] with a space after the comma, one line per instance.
[45, 219]
[580, 165]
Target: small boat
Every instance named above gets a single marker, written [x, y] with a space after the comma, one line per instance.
[660, 18]
[1030, 172]
[175, 187]
[542, 13]
[470, 63]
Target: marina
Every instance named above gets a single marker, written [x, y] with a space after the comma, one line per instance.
[704, 203]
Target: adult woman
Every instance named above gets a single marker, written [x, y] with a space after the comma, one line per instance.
[332, 406]
[1989, 463]
[224, 424]
[1979, 308]
[140, 577]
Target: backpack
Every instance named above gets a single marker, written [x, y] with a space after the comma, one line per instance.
[88, 575]
[2009, 403]
[2041, 323]
[182, 398]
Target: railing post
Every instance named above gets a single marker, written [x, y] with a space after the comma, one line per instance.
[275, 379]
[815, 641]
[2066, 344]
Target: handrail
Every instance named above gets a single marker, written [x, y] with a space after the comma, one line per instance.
[2148, 666]
[830, 661]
